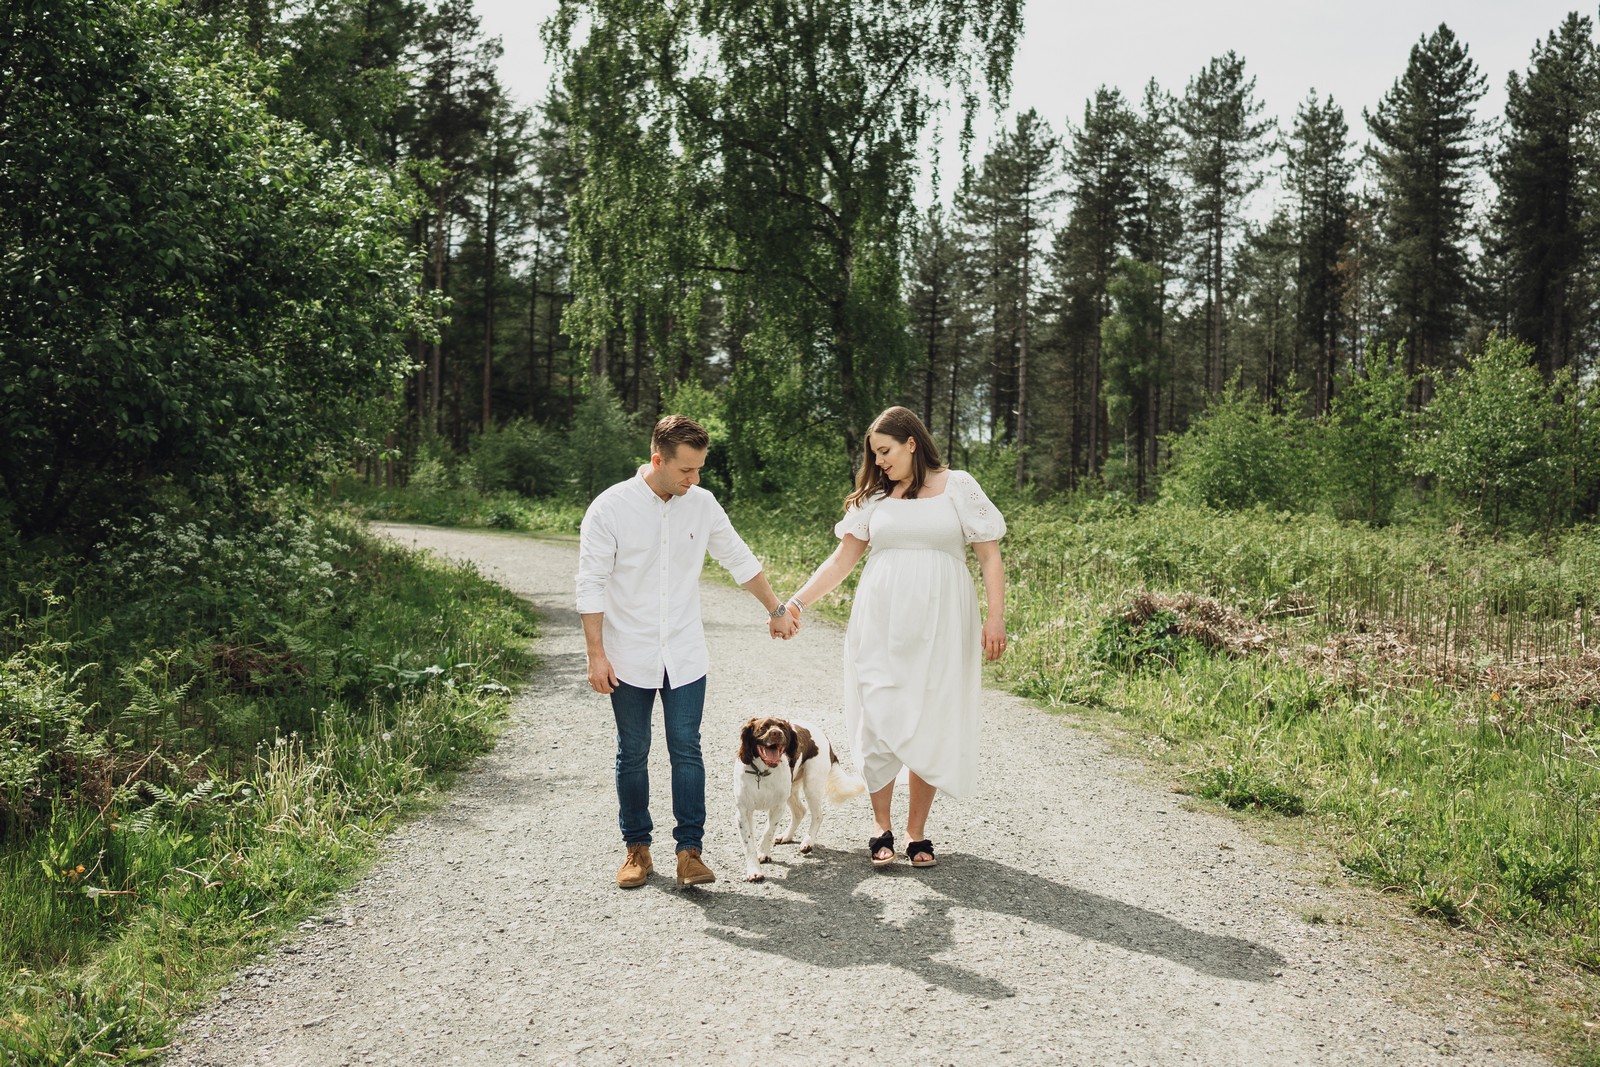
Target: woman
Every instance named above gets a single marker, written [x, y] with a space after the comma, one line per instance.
[912, 669]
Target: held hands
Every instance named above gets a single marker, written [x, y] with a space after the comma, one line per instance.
[784, 626]
[994, 638]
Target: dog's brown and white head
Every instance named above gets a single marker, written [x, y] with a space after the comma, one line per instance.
[773, 741]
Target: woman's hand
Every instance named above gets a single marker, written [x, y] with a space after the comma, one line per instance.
[994, 638]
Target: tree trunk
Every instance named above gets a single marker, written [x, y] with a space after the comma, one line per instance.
[491, 207]
[436, 355]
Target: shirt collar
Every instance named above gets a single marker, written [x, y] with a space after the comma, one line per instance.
[644, 487]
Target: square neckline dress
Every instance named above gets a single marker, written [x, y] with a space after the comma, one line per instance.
[913, 658]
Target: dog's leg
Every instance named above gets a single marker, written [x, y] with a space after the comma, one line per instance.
[814, 803]
[797, 814]
[764, 855]
[795, 810]
[747, 834]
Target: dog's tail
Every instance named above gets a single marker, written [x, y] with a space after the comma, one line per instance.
[843, 783]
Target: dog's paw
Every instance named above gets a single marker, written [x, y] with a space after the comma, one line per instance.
[783, 839]
[763, 858]
[805, 847]
[754, 876]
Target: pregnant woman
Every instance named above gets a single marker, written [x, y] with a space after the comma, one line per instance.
[914, 646]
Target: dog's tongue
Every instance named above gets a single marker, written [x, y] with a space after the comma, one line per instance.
[774, 761]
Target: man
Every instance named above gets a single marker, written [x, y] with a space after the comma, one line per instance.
[640, 552]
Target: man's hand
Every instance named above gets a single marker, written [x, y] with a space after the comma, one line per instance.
[602, 679]
[784, 626]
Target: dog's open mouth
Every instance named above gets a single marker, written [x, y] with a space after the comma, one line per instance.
[771, 755]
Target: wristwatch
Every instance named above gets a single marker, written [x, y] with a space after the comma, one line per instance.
[778, 612]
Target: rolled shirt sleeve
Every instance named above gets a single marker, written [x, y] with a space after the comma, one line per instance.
[729, 549]
[597, 557]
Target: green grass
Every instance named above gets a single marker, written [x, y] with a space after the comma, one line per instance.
[457, 507]
[189, 767]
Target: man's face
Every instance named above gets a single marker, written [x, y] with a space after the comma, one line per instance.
[673, 476]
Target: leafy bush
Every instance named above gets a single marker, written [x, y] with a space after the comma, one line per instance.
[1503, 443]
[1362, 440]
[1126, 643]
[43, 736]
[517, 457]
[194, 293]
[1240, 454]
[604, 446]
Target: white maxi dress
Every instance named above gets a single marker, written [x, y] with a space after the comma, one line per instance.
[913, 652]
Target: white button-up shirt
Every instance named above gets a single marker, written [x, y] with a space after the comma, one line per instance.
[639, 562]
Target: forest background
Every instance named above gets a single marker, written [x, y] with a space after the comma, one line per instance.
[1297, 427]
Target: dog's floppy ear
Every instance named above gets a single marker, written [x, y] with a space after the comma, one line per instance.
[747, 741]
[802, 744]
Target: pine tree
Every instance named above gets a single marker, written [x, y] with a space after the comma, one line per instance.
[446, 120]
[1005, 208]
[1544, 221]
[1224, 145]
[1318, 180]
[940, 383]
[1426, 141]
[1102, 197]
[1134, 366]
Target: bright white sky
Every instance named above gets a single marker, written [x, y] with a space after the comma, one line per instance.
[1352, 50]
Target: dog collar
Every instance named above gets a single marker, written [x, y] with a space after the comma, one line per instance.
[758, 774]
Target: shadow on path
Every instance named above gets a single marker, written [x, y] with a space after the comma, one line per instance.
[816, 915]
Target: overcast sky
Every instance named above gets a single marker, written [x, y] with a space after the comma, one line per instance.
[1353, 50]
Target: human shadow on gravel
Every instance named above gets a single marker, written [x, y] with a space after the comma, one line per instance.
[815, 915]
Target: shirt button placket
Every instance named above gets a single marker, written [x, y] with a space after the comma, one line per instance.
[663, 579]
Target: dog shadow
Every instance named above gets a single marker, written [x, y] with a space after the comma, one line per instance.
[819, 917]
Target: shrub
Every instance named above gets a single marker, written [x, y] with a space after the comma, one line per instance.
[1362, 440]
[1239, 454]
[1498, 439]
[604, 446]
[517, 457]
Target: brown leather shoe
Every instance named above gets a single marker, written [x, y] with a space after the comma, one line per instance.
[691, 870]
[636, 868]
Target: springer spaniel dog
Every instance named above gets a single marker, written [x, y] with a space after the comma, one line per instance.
[778, 761]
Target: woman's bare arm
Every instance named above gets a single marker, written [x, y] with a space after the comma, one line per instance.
[834, 570]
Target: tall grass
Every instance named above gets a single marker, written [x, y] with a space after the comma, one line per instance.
[203, 730]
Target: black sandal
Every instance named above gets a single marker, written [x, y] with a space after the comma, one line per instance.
[920, 848]
[882, 841]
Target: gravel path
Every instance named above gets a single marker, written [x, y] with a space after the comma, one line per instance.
[1080, 913]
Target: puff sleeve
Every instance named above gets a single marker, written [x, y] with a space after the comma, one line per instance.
[980, 519]
[857, 522]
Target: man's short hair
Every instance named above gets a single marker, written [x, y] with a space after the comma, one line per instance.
[675, 430]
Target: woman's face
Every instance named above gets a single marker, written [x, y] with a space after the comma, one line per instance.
[892, 457]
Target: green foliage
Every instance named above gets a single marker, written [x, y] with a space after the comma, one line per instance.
[1129, 643]
[1239, 454]
[1500, 440]
[763, 155]
[162, 844]
[604, 445]
[1242, 787]
[44, 736]
[193, 293]
[519, 456]
[1362, 440]
[1425, 145]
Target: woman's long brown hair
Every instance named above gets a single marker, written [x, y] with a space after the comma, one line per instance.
[903, 425]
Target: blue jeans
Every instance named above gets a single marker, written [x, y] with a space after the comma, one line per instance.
[681, 707]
